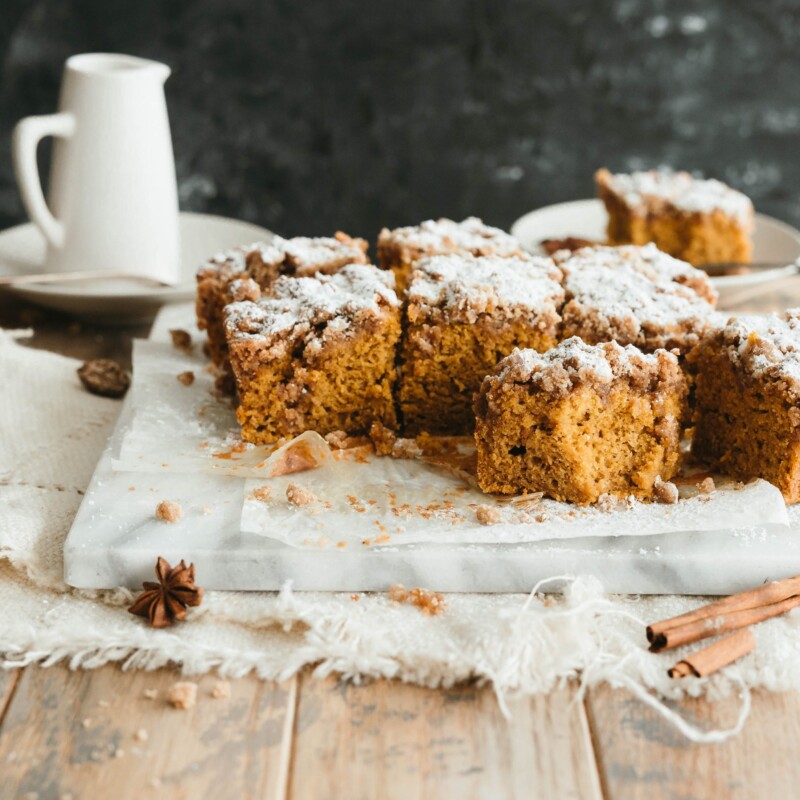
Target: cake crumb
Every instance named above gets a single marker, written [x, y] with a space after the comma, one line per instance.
[406, 448]
[168, 511]
[339, 440]
[487, 515]
[355, 597]
[300, 496]
[186, 378]
[104, 377]
[150, 694]
[665, 491]
[607, 502]
[427, 601]
[141, 735]
[706, 486]
[206, 511]
[263, 493]
[183, 695]
[383, 438]
[181, 340]
[221, 690]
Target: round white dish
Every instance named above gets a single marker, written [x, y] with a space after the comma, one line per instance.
[774, 242]
[118, 301]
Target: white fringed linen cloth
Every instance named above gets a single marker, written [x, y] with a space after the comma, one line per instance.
[51, 435]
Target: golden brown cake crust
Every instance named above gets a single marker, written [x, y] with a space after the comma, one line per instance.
[580, 422]
[700, 221]
[316, 354]
[634, 295]
[464, 314]
[747, 403]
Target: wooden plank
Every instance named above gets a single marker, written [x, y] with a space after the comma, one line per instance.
[8, 682]
[95, 733]
[387, 739]
[641, 755]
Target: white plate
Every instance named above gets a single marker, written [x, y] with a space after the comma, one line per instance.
[22, 250]
[774, 242]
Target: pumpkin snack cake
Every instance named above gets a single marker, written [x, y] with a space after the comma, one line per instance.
[747, 400]
[700, 221]
[243, 273]
[635, 295]
[581, 421]
[400, 249]
[463, 314]
[316, 354]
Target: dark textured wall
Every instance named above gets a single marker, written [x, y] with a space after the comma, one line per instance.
[312, 115]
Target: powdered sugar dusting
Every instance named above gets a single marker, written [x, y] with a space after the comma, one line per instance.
[682, 190]
[767, 346]
[441, 236]
[357, 290]
[458, 284]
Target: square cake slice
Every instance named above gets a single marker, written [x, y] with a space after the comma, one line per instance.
[463, 314]
[316, 354]
[580, 421]
[700, 221]
[400, 249]
[635, 295]
[747, 400]
[243, 273]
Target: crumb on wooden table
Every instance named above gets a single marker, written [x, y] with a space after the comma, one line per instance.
[665, 492]
[299, 496]
[186, 378]
[141, 735]
[706, 486]
[221, 690]
[427, 601]
[183, 695]
[487, 515]
[181, 339]
[168, 511]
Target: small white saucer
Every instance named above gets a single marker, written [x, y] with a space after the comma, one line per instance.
[774, 242]
[22, 250]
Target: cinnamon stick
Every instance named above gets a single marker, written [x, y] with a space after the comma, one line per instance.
[767, 595]
[715, 656]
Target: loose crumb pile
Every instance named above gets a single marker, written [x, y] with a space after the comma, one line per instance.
[186, 378]
[183, 695]
[168, 511]
[427, 601]
[487, 515]
[300, 496]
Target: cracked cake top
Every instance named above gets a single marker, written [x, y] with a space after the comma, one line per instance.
[461, 288]
[643, 192]
[441, 236]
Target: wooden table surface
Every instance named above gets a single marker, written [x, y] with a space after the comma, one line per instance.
[95, 734]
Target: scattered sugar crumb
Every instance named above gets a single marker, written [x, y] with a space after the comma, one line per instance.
[607, 502]
[665, 491]
[150, 694]
[406, 448]
[300, 496]
[181, 340]
[221, 690]
[141, 735]
[706, 486]
[487, 515]
[427, 601]
[183, 695]
[186, 378]
[263, 493]
[168, 511]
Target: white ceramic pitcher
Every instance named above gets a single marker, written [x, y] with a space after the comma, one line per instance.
[113, 201]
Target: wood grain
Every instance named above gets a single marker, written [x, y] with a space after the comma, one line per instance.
[8, 682]
[388, 739]
[90, 734]
[641, 756]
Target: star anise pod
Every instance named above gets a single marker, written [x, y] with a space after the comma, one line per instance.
[166, 602]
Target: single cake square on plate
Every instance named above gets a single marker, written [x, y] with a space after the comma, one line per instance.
[747, 400]
[400, 249]
[316, 354]
[700, 221]
[243, 273]
[635, 295]
[463, 314]
[580, 421]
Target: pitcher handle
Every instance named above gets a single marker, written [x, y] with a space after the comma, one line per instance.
[27, 135]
